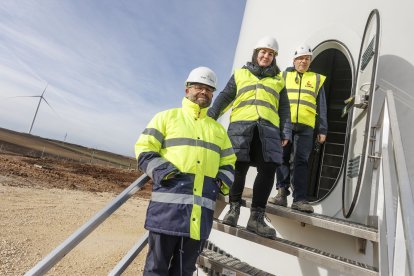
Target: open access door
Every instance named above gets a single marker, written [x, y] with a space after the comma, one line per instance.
[359, 109]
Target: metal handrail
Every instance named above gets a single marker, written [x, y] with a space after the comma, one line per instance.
[394, 151]
[130, 256]
[65, 247]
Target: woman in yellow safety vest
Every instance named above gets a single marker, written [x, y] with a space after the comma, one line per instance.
[259, 127]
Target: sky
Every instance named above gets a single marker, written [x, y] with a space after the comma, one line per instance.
[108, 66]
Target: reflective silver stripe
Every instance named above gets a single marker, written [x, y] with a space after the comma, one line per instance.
[269, 90]
[205, 202]
[183, 199]
[257, 102]
[154, 132]
[226, 152]
[318, 82]
[258, 86]
[306, 91]
[229, 175]
[172, 198]
[284, 74]
[154, 163]
[306, 103]
[246, 89]
[190, 142]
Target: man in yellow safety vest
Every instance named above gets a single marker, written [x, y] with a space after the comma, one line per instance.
[308, 115]
[189, 158]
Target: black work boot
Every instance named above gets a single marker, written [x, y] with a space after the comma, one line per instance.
[232, 215]
[257, 224]
[281, 197]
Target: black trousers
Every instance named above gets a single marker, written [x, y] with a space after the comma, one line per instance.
[265, 177]
[171, 255]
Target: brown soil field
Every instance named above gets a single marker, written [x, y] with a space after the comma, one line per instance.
[49, 189]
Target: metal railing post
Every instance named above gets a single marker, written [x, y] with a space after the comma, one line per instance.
[404, 185]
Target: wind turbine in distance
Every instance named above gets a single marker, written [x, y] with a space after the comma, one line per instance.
[38, 105]
[41, 97]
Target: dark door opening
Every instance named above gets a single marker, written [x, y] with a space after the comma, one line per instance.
[325, 162]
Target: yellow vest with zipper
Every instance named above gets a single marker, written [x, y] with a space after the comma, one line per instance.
[302, 93]
[256, 98]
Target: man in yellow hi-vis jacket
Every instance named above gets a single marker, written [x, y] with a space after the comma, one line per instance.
[190, 159]
[308, 115]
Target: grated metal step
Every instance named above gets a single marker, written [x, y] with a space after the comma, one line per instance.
[217, 262]
[317, 256]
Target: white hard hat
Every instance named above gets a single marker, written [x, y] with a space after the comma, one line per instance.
[302, 50]
[202, 75]
[267, 42]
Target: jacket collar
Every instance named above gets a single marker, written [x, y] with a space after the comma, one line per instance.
[194, 109]
[261, 72]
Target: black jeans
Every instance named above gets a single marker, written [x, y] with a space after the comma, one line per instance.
[264, 179]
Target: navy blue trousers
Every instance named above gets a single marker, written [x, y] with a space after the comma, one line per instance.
[301, 147]
[171, 255]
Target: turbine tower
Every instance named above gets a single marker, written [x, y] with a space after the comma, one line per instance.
[41, 97]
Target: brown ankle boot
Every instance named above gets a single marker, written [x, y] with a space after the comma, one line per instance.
[281, 197]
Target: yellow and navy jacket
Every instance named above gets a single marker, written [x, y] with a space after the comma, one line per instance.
[258, 98]
[307, 98]
[190, 159]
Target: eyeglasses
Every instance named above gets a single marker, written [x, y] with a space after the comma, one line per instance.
[199, 88]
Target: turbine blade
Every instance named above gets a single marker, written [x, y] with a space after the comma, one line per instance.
[44, 90]
[23, 97]
[43, 98]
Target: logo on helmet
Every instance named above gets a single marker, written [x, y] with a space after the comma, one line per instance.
[207, 78]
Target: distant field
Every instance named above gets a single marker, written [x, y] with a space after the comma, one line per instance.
[35, 146]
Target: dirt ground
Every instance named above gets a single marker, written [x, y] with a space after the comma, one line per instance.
[43, 201]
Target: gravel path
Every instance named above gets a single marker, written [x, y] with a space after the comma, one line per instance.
[34, 220]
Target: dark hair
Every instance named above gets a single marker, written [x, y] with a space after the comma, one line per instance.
[273, 64]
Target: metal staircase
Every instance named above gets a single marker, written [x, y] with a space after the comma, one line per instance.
[317, 256]
[320, 257]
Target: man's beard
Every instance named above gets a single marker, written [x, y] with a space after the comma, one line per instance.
[202, 102]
